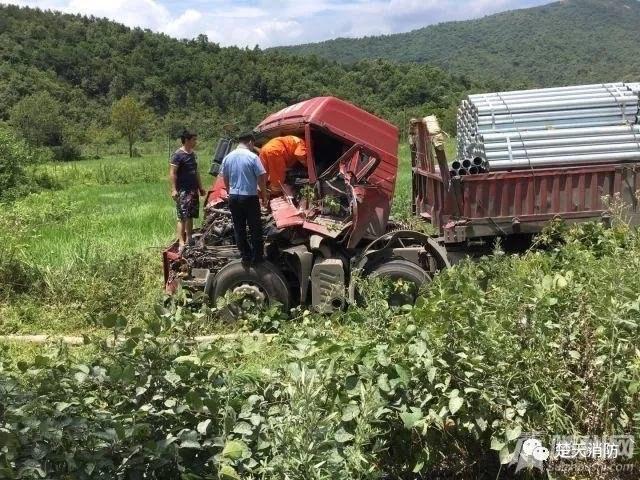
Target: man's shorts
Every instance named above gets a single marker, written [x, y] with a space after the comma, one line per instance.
[187, 205]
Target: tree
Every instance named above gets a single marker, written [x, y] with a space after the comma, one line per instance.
[99, 136]
[37, 118]
[15, 156]
[129, 117]
[12, 160]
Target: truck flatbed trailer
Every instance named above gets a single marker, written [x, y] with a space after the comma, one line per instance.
[473, 209]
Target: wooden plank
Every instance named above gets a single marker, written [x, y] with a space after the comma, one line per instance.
[74, 340]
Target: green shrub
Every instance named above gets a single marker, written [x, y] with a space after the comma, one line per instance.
[545, 342]
[38, 118]
[75, 296]
[15, 275]
[66, 152]
[16, 157]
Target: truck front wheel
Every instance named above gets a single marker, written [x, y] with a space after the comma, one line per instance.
[252, 286]
[411, 278]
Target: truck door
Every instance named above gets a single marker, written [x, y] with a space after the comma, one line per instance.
[369, 204]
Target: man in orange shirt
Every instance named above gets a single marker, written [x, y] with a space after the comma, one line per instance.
[279, 154]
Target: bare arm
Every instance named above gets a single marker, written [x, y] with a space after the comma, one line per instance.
[201, 190]
[173, 181]
[262, 185]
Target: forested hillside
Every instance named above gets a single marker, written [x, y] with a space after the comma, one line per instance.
[86, 64]
[566, 42]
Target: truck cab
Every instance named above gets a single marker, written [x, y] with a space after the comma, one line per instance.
[330, 225]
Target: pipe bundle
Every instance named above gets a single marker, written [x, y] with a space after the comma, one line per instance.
[548, 127]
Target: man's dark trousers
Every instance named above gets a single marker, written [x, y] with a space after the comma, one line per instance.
[245, 212]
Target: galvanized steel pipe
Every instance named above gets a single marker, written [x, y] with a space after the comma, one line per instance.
[543, 127]
[565, 160]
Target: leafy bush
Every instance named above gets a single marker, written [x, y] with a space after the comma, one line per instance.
[66, 152]
[545, 342]
[77, 295]
[15, 158]
[38, 118]
[15, 275]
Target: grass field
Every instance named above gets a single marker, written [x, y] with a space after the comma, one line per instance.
[100, 235]
[94, 244]
[106, 216]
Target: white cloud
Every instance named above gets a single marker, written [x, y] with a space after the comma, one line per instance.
[182, 27]
[267, 23]
[143, 13]
[133, 13]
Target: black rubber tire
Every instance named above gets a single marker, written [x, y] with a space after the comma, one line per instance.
[400, 269]
[265, 275]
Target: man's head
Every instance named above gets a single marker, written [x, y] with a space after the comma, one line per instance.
[189, 139]
[247, 139]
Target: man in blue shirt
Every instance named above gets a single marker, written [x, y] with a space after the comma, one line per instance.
[243, 173]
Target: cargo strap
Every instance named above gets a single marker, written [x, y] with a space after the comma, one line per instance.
[493, 114]
[617, 94]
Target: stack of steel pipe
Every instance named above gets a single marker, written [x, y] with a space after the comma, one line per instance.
[468, 166]
[548, 127]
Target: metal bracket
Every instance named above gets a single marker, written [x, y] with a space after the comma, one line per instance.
[305, 263]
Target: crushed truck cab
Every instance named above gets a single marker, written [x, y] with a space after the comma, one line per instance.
[330, 224]
[352, 157]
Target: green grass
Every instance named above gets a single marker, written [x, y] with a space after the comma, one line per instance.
[107, 208]
[114, 205]
[110, 170]
[91, 247]
[102, 221]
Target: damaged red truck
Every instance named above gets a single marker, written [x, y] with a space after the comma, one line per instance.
[332, 223]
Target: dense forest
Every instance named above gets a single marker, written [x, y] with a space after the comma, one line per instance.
[63, 73]
[562, 43]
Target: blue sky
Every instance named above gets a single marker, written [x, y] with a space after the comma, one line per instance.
[285, 22]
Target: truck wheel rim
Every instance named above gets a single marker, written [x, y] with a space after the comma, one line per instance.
[402, 292]
[249, 295]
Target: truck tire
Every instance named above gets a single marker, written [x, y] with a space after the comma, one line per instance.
[262, 283]
[400, 269]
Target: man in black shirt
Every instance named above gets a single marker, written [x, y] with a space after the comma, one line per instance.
[185, 186]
